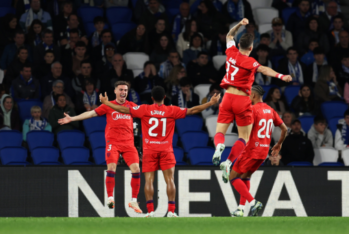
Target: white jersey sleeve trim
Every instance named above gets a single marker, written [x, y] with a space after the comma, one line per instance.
[230, 43]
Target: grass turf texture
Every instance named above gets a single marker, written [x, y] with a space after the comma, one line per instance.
[260, 225]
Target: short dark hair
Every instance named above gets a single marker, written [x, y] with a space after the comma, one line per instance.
[346, 113]
[319, 119]
[319, 50]
[26, 65]
[291, 48]
[20, 49]
[337, 17]
[158, 93]
[265, 35]
[296, 121]
[258, 89]
[185, 81]
[80, 44]
[194, 36]
[85, 61]
[344, 55]
[46, 31]
[147, 63]
[19, 31]
[49, 52]
[105, 31]
[313, 40]
[202, 53]
[71, 16]
[74, 30]
[98, 19]
[262, 47]
[121, 82]
[215, 86]
[246, 41]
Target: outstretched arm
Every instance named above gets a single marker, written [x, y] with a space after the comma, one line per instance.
[270, 72]
[200, 108]
[277, 147]
[121, 109]
[86, 115]
[231, 34]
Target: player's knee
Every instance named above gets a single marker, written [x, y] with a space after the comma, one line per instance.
[135, 168]
[111, 167]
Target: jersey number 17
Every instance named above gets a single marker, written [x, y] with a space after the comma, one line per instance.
[236, 69]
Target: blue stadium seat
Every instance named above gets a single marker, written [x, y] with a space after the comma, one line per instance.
[25, 106]
[201, 156]
[300, 164]
[266, 89]
[39, 139]
[333, 109]
[194, 139]
[99, 156]
[76, 156]
[45, 156]
[179, 154]
[306, 122]
[10, 138]
[97, 139]
[94, 124]
[287, 12]
[275, 60]
[189, 123]
[120, 29]
[334, 164]
[6, 10]
[5, 3]
[175, 139]
[225, 154]
[70, 138]
[172, 3]
[90, 28]
[332, 124]
[14, 156]
[87, 14]
[291, 92]
[119, 15]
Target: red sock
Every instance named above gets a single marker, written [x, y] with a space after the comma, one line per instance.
[237, 149]
[150, 206]
[171, 206]
[135, 184]
[110, 183]
[242, 189]
[247, 183]
[218, 138]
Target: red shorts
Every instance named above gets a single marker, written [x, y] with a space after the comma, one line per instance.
[153, 161]
[247, 164]
[129, 154]
[235, 107]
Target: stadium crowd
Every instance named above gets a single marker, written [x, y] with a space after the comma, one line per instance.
[50, 51]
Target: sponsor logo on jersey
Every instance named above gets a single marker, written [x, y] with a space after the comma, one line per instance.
[182, 108]
[264, 145]
[159, 142]
[266, 111]
[156, 112]
[146, 141]
[256, 144]
[116, 115]
[136, 107]
[255, 64]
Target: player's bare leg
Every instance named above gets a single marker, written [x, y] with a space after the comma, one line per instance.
[135, 185]
[219, 139]
[171, 191]
[110, 183]
[149, 193]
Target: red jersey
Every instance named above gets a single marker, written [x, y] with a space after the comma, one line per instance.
[119, 129]
[158, 124]
[240, 69]
[264, 117]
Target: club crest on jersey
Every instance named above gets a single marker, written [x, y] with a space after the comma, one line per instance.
[256, 144]
[116, 115]
[146, 141]
[255, 64]
[136, 107]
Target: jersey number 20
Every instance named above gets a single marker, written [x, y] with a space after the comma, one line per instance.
[236, 69]
[265, 124]
[156, 123]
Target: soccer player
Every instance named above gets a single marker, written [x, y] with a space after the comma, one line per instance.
[236, 104]
[158, 122]
[256, 150]
[119, 140]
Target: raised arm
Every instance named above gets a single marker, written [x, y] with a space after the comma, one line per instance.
[121, 109]
[86, 115]
[270, 72]
[200, 108]
[277, 147]
[231, 34]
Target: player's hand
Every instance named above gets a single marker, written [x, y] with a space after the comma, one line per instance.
[244, 21]
[276, 149]
[287, 78]
[103, 99]
[67, 119]
[215, 98]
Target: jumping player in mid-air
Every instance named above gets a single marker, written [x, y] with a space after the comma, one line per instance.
[236, 104]
[119, 140]
[158, 122]
[256, 150]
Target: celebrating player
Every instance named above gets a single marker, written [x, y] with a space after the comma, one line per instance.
[236, 104]
[119, 140]
[256, 150]
[158, 122]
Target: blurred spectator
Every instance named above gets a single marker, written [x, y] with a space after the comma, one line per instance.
[10, 50]
[60, 20]
[326, 19]
[133, 96]
[280, 39]
[51, 99]
[236, 10]
[75, 61]
[333, 34]
[341, 48]
[115, 3]
[47, 44]
[327, 88]
[308, 58]
[88, 3]
[64, 33]
[280, 5]
[186, 98]
[25, 86]
[34, 35]
[172, 81]
[56, 74]
[78, 82]
[212, 110]
[10, 25]
[118, 72]
[144, 82]
[275, 161]
[341, 140]
[207, 19]
[343, 75]
[135, 40]
[57, 112]
[312, 32]
[183, 42]
[35, 123]
[196, 46]
[265, 40]
[262, 52]
[219, 42]
[10, 114]
[68, 49]
[96, 37]
[142, 6]
[304, 103]
[297, 21]
[273, 99]
[313, 69]
[297, 147]
[202, 70]
[88, 98]
[180, 20]
[252, 29]
[98, 51]
[158, 31]
[35, 12]
[44, 67]
[15, 66]
[319, 134]
[2, 126]
[150, 15]
[161, 51]
[319, 6]
[106, 62]
[166, 67]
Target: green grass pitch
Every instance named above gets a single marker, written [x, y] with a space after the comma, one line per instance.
[219, 225]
